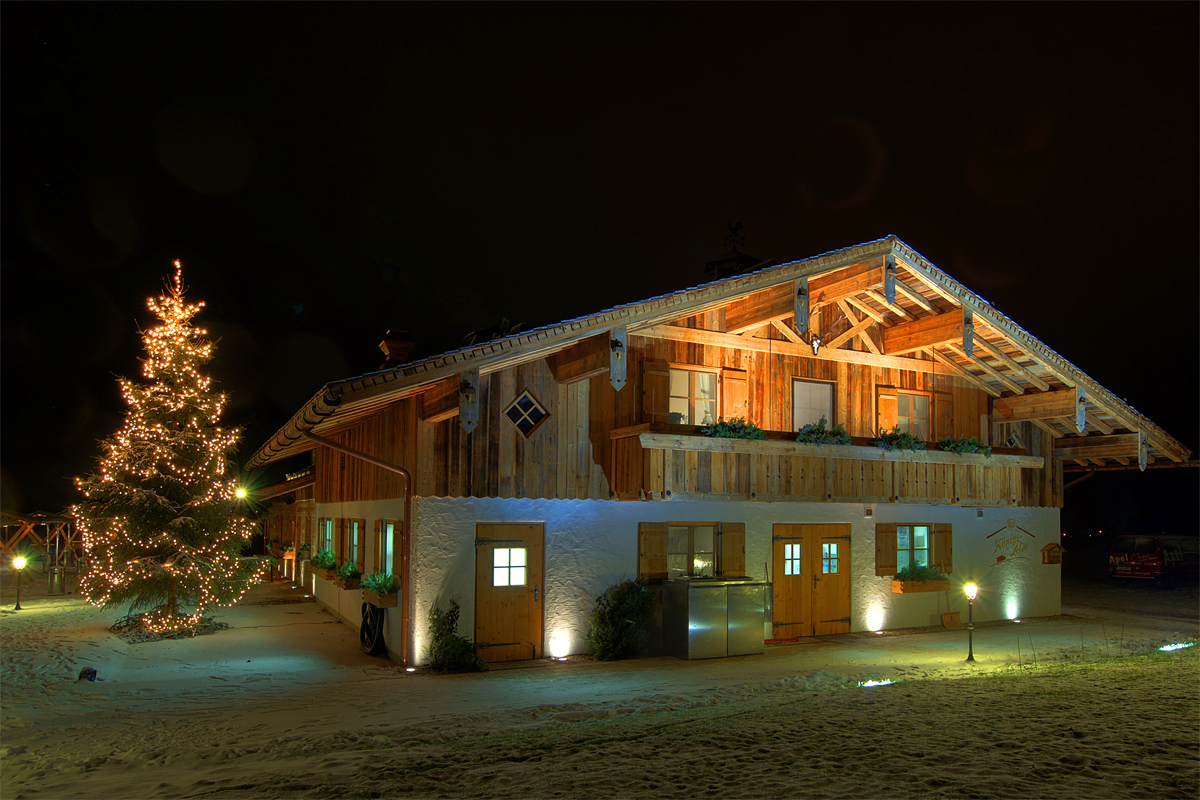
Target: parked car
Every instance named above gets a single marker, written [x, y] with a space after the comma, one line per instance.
[1166, 559]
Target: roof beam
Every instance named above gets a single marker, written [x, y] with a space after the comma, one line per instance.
[926, 332]
[1124, 445]
[787, 331]
[716, 339]
[893, 307]
[849, 334]
[1048, 428]
[1099, 424]
[864, 333]
[440, 400]
[581, 361]
[1043, 405]
[826, 289]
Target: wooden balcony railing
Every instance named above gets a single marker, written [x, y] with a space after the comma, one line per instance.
[656, 461]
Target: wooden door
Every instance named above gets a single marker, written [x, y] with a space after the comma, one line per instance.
[791, 597]
[508, 591]
[831, 578]
[811, 580]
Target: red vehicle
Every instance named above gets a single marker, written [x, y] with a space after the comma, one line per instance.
[1162, 558]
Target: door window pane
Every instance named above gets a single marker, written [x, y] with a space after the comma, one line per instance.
[792, 562]
[508, 566]
[829, 558]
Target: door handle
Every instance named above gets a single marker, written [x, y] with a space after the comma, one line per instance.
[535, 593]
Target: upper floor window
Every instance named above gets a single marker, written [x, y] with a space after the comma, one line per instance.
[907, 410]
[526, 413]
[811, 400]
[693, 397]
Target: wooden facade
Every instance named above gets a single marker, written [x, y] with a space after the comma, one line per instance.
[874, 322]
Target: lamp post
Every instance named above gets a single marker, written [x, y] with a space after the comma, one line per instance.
[972, 591]
[18, 565]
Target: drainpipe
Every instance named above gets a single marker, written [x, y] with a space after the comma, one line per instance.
[405, 535]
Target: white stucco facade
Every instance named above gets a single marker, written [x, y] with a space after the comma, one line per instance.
[590, 545]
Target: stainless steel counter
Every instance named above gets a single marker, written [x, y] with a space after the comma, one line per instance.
[713, 617]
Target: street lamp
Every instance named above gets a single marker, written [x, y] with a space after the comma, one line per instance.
[18, 565]
[972, 591]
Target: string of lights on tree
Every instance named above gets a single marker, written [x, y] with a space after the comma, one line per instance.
[160, 523]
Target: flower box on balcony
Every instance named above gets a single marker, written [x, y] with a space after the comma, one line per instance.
[910, 587]
[379, 600]
[326, 574]
[348, 583]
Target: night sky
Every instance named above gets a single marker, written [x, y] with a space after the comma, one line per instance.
[328, 171]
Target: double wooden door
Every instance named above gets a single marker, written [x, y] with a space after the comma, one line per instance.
[811, 577]
[508, 591]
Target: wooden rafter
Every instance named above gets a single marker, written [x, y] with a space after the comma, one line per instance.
[864, 308]
[787, 331]
[1048, 428]
[915, 296]
[1098, 423]
[919, 274]
[920, 334]
[854, 330]
[1069, 424]
[895, 308]
[1012, 385]
[1124, 445]
[964, 373]
[1043, 405]
[864, 334]
[1011, 363]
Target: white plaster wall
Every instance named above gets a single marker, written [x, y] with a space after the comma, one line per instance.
[592, 544]
[346, 605]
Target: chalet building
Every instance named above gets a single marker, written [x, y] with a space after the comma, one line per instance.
[523, 475]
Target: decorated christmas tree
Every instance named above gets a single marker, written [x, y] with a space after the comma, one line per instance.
[160, 522]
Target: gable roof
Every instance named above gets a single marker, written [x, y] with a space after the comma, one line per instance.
[1021, 363]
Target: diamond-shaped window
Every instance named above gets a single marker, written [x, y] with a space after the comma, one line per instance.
[526, 413]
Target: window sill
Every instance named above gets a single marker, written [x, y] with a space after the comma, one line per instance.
[912, 587]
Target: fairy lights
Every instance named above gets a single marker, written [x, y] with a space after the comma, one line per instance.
[156, 523]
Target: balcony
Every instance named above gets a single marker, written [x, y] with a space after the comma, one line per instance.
[657, 461]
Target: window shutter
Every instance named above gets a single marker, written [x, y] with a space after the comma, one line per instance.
[887, 408]
[943, 547]
[339, 539]
[656, 390]
[733, 395]
[652, 552]
[379, 546]
[943, 410]
[733, 548]
[361, 528]
[885, 548]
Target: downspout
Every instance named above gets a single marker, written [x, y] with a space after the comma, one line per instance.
[405, 538]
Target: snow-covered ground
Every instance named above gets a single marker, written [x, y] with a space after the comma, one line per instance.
[285, 704]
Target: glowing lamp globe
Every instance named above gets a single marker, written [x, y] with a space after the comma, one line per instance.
[972, 591]
[241, 492]
[19, 562]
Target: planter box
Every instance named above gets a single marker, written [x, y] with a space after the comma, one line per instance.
[326, 574]
[348, 583]
[910, 587]
[380, 600]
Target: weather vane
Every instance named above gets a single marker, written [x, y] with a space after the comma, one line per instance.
[735, 238]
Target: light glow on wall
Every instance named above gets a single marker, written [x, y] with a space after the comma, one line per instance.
[1011, 609]
[875, 619]
[560, 644]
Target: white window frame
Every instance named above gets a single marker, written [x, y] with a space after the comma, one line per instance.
[797, 424]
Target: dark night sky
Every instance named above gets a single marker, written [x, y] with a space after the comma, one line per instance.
[329, 171]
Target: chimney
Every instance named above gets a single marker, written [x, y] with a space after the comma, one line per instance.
[396, 346]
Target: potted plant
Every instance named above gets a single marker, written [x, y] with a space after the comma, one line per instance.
[323, 564]
[289, 551]
[816, 433]
[347, 576]
[914, 578]
[379, 589]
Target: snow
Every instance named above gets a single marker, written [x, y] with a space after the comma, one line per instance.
[285, 704]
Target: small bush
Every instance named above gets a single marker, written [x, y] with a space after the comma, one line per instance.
[736, 428]
[958, 444]
[348, 570]
[379, 583]
[619, 620]
[895, 440]
[816, 433]
[914, 572]
[447, 651]
[323, 560]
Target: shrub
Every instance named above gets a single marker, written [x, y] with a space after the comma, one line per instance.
[323, 560]
[619, 620]
[379, 583]
[895, 440]
[816, 433]
[447, 651]
[736, 428]
[914, 572]
[958, 444]
[348, 570]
